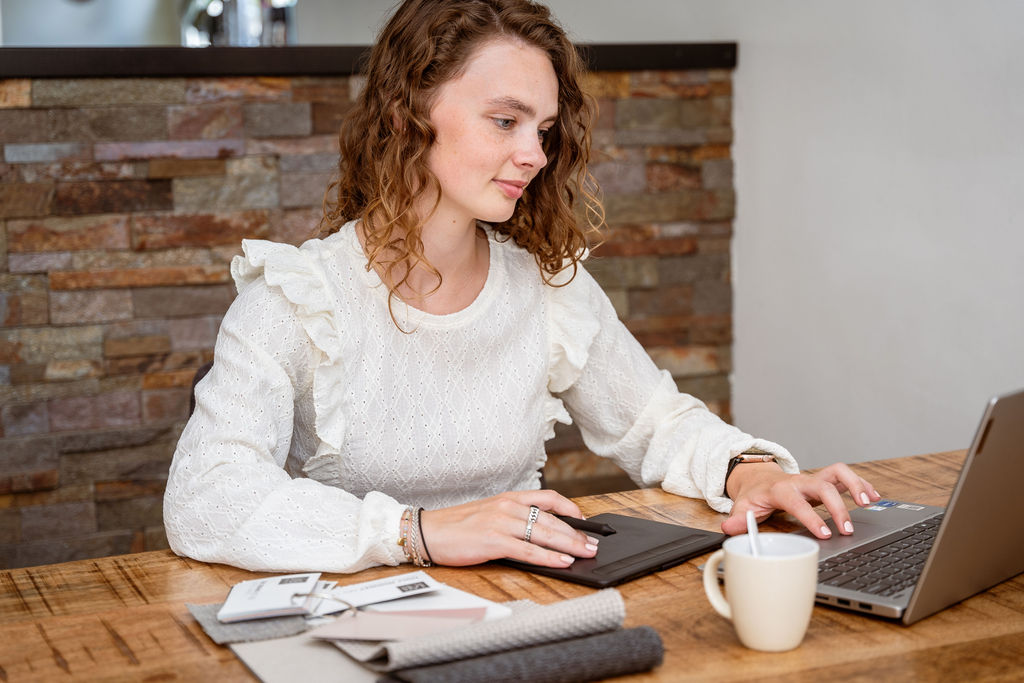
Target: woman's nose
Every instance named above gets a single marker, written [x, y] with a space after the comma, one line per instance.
[530, 152]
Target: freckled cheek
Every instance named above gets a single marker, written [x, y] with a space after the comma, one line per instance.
[452, 172]
[443, 160]
[469, 155]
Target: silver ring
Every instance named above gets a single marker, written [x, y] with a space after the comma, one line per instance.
[349, 607]
[534, 514]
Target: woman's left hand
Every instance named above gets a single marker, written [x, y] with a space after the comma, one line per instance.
[765, 488]
[493, 528]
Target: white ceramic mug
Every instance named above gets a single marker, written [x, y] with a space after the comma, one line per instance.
[768, 598]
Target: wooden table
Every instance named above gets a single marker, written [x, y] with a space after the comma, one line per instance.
[124, 618]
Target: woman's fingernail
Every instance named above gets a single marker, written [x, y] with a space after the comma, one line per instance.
[593, 541]
[591, 547]
[567, 559]
[878, 494]
[848, 526]
[825, 531]
[864, 498]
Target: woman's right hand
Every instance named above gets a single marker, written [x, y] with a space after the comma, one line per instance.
[494, 528]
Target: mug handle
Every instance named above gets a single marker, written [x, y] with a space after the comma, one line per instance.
[711, 587]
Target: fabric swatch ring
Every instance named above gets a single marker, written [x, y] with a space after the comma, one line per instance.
[534, 514]
[350, 609]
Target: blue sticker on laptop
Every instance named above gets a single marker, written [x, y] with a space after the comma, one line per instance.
[887, 503]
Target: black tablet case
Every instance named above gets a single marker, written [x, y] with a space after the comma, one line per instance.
[639, 546]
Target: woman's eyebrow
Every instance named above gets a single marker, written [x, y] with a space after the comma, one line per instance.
[516, 104]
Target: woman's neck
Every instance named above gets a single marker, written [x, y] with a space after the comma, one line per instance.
[460, 254]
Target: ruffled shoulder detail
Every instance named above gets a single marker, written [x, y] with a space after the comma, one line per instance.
[299, 275]
[573, 324]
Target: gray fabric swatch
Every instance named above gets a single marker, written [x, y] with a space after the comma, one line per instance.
[244, 631]
[529, 624]
[606, 655]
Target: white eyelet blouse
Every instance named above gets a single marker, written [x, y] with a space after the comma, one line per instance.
[321, 420]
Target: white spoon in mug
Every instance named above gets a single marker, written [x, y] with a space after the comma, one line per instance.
[755, 544]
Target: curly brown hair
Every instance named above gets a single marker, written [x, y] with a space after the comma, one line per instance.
[383, 166]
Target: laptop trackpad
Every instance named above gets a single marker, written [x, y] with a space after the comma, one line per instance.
[862, 533]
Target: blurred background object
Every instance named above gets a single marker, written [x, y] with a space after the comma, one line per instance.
[239, 23]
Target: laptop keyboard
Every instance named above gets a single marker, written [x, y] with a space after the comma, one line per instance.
[885, 566]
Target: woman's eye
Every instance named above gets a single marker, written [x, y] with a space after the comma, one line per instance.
[542, 135]
[504, 124]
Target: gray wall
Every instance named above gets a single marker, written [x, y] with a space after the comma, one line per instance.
[44, 23]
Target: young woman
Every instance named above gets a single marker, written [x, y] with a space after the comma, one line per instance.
[383, 394]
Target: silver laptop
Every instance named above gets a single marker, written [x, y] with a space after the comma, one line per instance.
[907, 561]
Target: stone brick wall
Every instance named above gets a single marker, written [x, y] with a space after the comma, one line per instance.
[122, 202]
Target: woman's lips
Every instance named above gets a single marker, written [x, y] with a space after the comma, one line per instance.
[513, 189]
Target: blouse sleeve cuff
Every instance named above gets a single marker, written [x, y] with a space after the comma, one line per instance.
[389, 532]
[715, 491]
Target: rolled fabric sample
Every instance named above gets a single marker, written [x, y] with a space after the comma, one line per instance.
[529, 624]
[606, 655]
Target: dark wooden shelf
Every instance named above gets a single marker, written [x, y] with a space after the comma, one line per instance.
[112, 62]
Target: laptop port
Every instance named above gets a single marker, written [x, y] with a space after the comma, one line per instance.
[844, 602]
[864, 605]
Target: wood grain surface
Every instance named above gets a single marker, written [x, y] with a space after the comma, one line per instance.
[124, 617]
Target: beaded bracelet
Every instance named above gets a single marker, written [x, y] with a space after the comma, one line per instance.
[411, 537]
[403, 533]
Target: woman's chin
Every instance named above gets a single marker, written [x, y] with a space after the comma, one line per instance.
[498, 216]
